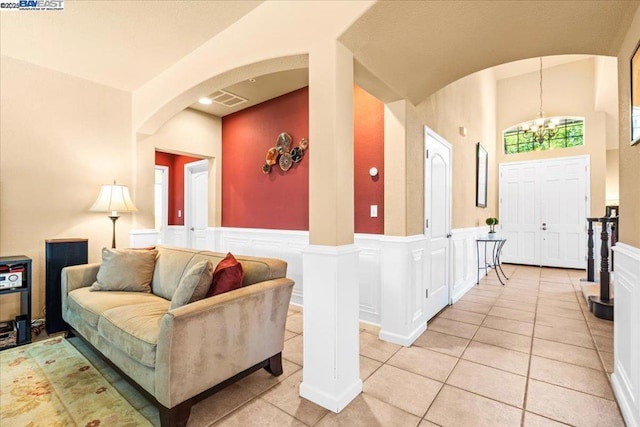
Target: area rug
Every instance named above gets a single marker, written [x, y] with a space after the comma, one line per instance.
[50, 383]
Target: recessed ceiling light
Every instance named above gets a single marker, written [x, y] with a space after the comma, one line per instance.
[252, 80]
[204, 100]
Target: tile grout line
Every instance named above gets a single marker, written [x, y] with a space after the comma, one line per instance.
[453, 369]
[557, 385]
[607, 376]
[533, 332]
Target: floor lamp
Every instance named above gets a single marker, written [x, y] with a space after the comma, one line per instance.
[113, 198]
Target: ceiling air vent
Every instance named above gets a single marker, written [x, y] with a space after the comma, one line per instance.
[227, 99]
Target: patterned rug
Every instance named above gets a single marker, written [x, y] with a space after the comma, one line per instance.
[50, 383]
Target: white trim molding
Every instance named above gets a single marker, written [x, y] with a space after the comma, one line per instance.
[626, 333]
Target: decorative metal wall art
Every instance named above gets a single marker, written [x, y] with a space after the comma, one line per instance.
[283, 155]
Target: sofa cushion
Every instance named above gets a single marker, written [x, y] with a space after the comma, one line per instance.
[125, 270]
[134, 330]
[226, 277]
[90, 305]
[254, 269]
[171, 264]
[193, 285]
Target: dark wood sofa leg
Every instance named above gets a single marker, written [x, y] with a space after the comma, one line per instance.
[274, 367]
[176, 416]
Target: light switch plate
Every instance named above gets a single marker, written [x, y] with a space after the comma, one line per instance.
[374, 211]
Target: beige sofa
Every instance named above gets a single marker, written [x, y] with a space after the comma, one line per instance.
[178, 357]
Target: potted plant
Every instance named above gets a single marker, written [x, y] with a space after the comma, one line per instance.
[492, 222]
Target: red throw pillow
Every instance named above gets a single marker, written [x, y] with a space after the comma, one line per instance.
[226, 277]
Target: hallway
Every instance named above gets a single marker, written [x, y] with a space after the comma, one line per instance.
[525, 354]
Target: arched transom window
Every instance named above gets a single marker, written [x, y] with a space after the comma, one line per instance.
[544, 134]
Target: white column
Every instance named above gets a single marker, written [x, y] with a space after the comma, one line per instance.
[331, 368]
[331, 376]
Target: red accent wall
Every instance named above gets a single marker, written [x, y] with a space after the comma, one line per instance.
[250, 198]
[175, 163]
[280, 200]
[368, 152]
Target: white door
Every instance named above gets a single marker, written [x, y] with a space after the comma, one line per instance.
[543, 210]
[563, 213]
[161, 201]
[196, 203]
[519, 216]
[437, 221]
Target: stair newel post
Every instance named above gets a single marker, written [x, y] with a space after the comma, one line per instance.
[614, 238]
[604, 261]
[602, 306]
[590, 254]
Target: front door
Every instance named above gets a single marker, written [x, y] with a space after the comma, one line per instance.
[437, 227]
[563, 213]
[543, 210]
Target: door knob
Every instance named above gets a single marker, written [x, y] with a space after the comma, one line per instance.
[191, 229]
[544, 224]
[544, 228]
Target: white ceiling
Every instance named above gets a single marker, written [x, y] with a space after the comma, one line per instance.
[122, 44]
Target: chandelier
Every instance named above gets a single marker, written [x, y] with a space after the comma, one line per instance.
[541, 129]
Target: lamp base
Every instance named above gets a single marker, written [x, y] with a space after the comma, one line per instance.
[113, 238]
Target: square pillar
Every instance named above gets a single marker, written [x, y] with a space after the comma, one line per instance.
[331, 368]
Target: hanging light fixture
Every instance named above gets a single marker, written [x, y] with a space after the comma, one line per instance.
[541, 129]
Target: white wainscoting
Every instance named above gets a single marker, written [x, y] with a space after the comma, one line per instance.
[143, 238]
[393, 271]
[402, 288]
[626, 333]
[175, 235]
[283, 244]
[465, 260]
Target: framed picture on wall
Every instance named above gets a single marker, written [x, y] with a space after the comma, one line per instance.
[482, 160]
[635, 96]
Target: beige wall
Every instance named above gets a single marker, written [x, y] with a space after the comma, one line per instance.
[189, 132]
[569, 89]
[612, 192]
[471, 103]
[395, 168]
[629, 155]
[61, 138]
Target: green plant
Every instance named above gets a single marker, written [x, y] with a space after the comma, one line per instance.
[492, 222]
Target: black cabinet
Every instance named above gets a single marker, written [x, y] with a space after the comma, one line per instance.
[9, 267]
[60, 253]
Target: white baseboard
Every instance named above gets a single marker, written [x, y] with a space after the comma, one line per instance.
[405, 341]
[332, 403]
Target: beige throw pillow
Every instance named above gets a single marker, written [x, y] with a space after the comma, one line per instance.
[194, 284]
[125, 270]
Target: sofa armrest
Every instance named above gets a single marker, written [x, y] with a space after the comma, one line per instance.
[75, 277]
[206, 342]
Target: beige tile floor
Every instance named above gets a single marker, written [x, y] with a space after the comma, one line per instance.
[526, 354]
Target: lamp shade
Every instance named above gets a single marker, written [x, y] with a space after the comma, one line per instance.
[113, 198]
